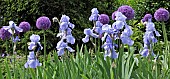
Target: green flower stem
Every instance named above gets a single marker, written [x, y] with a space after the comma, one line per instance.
[14, 58]
[166, 43]
[120, 60]
[94, 22]
[7, 49]
[13, 50]
[44, 49]
[25, 57]
[165, 36]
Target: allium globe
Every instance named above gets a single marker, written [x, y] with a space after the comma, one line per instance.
[104, 19]
[127, 11]
[161, 14]
[25, 26]
[4, 34]
[147, 17]
[43, 23]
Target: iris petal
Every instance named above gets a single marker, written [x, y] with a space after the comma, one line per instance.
[60, 52]
[86, 39]
[70, 49]
[70, 39]
[145, 52]
[18, 29]
[31, 46]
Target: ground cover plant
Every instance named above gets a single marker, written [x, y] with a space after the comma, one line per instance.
[117, 46]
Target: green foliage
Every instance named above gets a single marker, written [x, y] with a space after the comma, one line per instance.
[83, 65]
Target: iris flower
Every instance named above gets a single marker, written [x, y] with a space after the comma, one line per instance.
[32, 61]
[65, 30]
[94, 15]
[109, 48]
[149, 38]
[89, 32]
[35, 42]
[12, 28]
[61, 46]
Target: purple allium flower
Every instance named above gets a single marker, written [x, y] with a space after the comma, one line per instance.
[25, 26]
[113, 15]
[127, 11]
[104, 19]
[161, 14]
[32, 61]
[94, 14]
[43, 23]
[35, 42]
[4, 34]
[11, 26]
[147, 17]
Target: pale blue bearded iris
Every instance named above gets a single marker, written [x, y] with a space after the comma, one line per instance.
[125, 36]
[89, 33]
[32, 61]
[98, 28]
[12, 28]
[61, 46]
[94, 15]
[109, 48]
[34, 42]
[66, 29]
[65, 34]
[119, 25]
[149, 38]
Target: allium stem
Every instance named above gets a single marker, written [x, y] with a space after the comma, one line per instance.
[44, 48]
[25, 56]
[166, 42]
[165, 35]
[7, 49]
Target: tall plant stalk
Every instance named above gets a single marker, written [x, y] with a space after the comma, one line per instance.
[166, 55]
[7, 49]
[44, 49]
